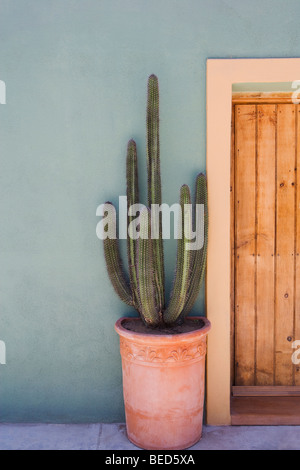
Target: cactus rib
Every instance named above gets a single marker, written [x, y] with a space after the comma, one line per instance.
[115, 269]
[154, 183]
[183, 264]
[132, 198]
[145, 271]
[198, 256]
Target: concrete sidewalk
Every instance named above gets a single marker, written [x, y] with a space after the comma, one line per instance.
[113, 437]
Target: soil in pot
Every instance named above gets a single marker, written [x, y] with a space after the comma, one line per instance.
[137, 326]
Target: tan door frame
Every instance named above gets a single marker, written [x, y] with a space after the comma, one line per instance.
[221, 74]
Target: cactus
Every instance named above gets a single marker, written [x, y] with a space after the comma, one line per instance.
[145, 288]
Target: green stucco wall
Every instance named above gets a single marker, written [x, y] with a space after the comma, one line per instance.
[76, 73]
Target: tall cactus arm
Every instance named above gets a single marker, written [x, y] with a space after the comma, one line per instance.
[115, 269]
[199, 256]
[154, 183]
[132, 198]
[153, 148]
[183, 264]
[145, 272]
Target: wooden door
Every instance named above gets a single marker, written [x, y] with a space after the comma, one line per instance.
[266, 261]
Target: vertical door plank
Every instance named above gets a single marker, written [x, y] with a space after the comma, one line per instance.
[266, 162]
[285, 228]
[245, 200]
[297, 273]
[232, 245]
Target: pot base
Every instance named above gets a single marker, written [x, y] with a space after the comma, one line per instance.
[185, 447]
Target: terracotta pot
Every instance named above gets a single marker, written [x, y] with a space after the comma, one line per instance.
[163, 386]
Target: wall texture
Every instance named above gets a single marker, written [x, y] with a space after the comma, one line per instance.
[76, 74]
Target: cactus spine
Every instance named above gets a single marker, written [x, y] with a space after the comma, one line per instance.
[145, 289]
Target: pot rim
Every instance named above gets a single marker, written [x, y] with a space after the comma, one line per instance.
[175, 338]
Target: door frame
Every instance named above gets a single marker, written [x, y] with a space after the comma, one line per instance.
[221, 74]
